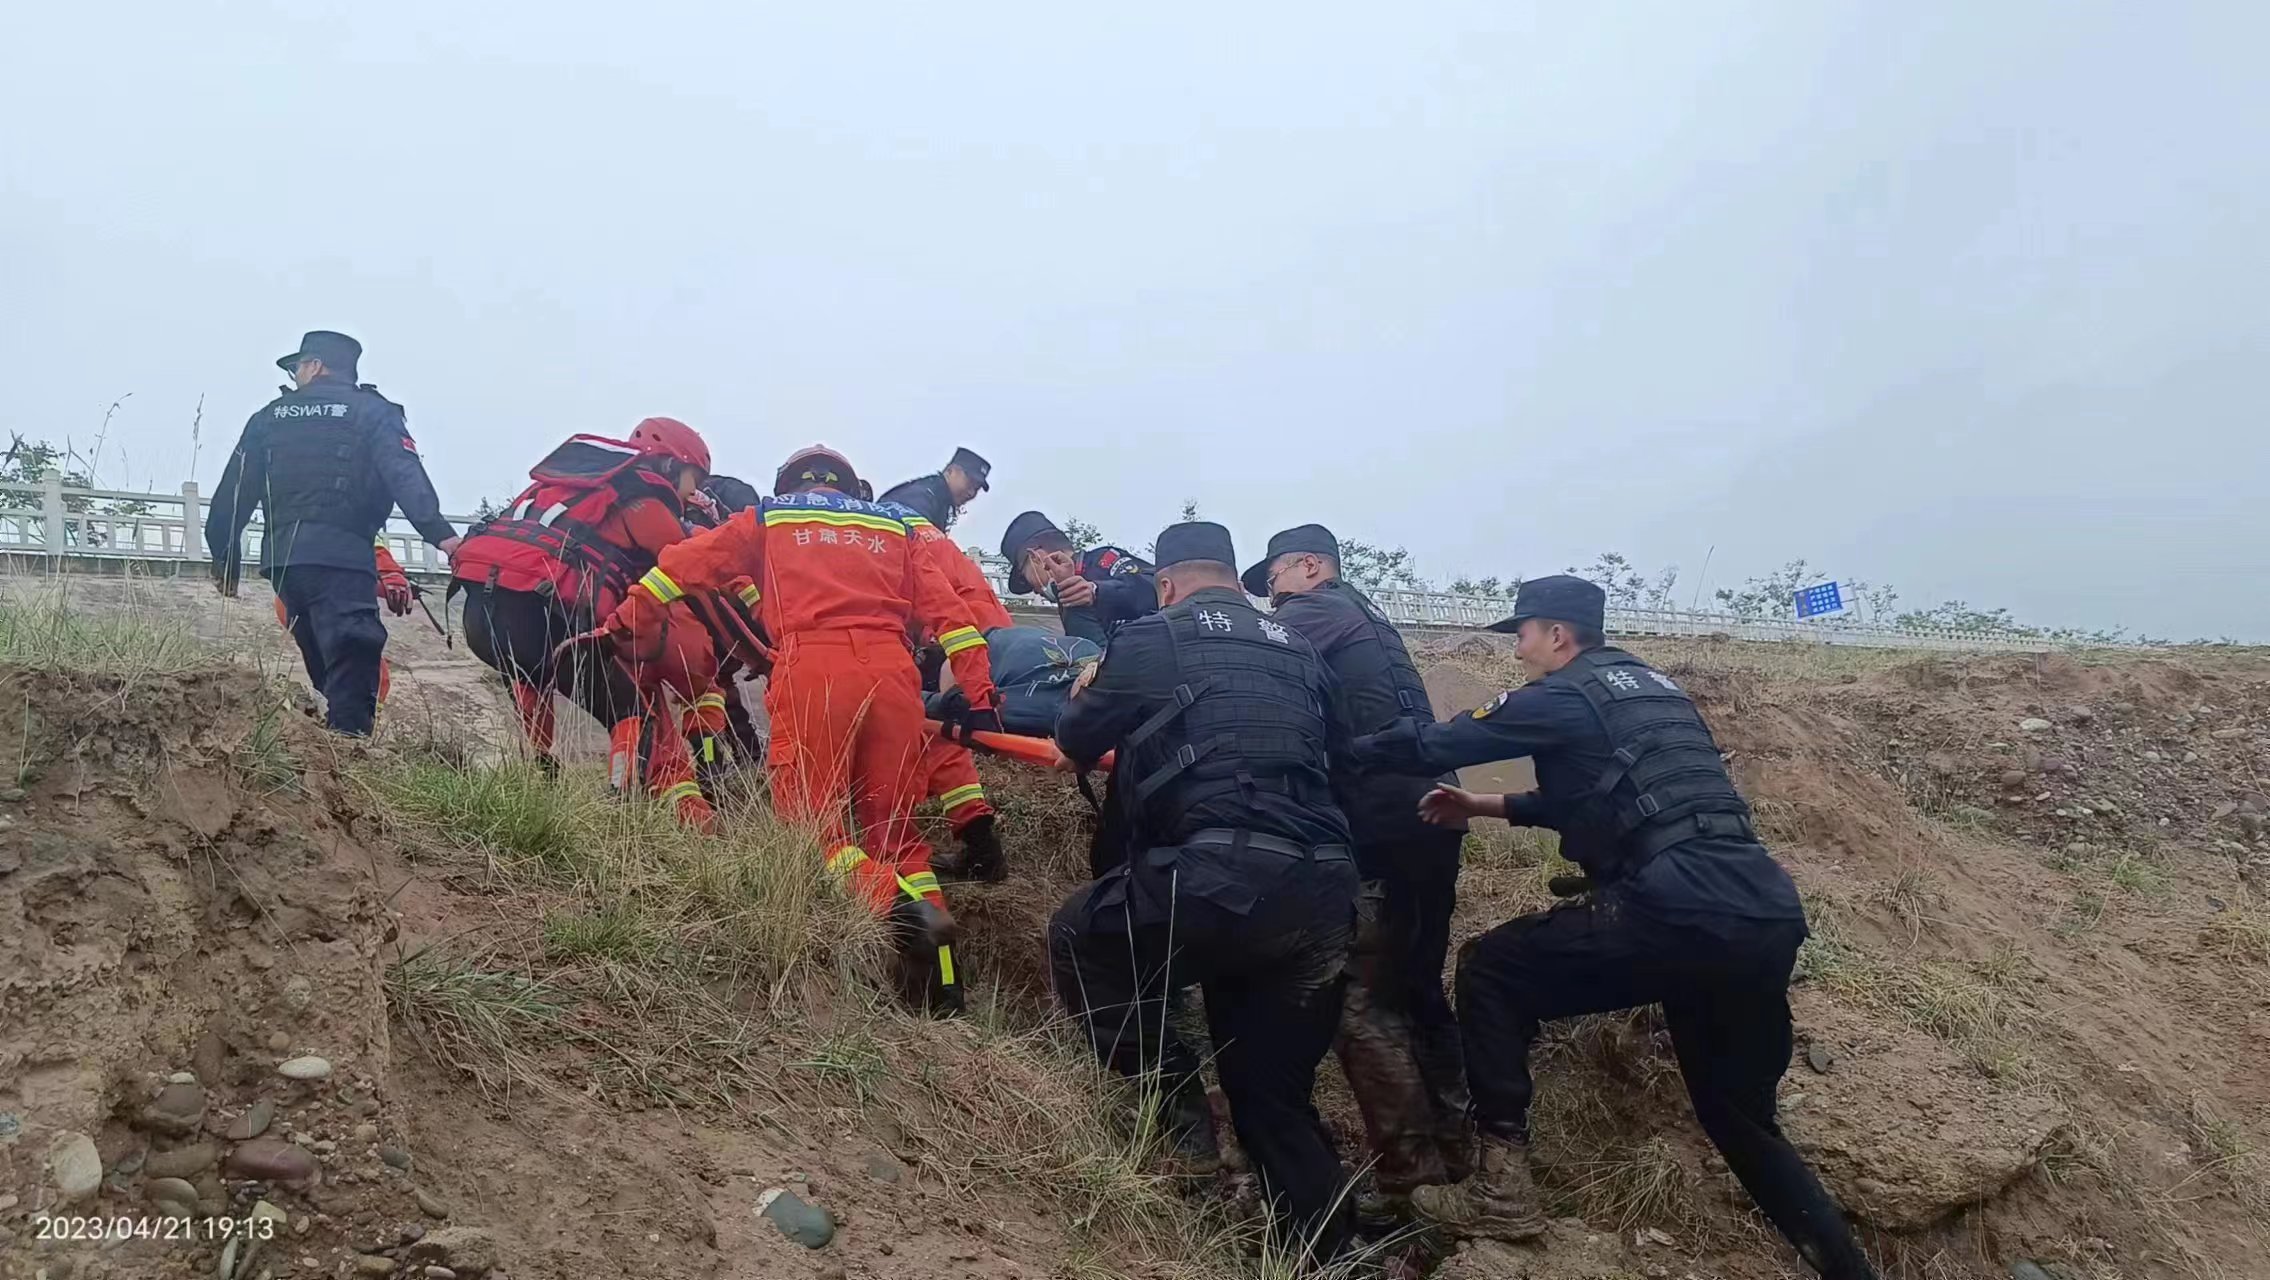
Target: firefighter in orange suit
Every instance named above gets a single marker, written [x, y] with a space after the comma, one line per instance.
[949, 768]
[839, 583]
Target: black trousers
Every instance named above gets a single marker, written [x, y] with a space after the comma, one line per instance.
[333, 614]
[515, 633]
[1399, 1041]
[1272, 980]
[1724, 992]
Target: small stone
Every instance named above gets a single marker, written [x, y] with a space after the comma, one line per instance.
[2191, 757]
[307, 1068]
[182, 1162]
[883, 1168]
[9, 1201]
[2034, 725]
[2152, 756]
[395, 1157]
[172, 1190]
[371, 1264]
[1942, 764]
[323, 1146]
[833, 1271]
[366, 1133]
[429, 1204]
[468, 1251]
[252, 1123]
[271, 1161]
[302, 1225]
[2223, 810]
[1658, 1237]
[805, 1224]
[440, 1273]
[1818, 1057]
[304, 1138]
[2012, 777]
[2228, 735]
[182, 1077]
[178, 1111]
[412, 1232]
[2080, 848]
[77, 1166]
[2250, 825]
[278, 1042]
[363, 1108]
[11, 795]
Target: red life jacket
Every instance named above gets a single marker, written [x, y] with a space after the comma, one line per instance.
[549, 540]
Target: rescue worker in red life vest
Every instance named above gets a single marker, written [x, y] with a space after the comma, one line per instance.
[950, 768]
[840, 582]
[566, 552]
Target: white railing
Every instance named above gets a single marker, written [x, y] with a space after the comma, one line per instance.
[61, 523]
[1452, 611]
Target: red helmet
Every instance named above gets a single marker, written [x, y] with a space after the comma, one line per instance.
[818, 465]
[671, 439]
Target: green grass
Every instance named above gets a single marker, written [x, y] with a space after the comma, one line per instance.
[484, 1021]
[40, 630]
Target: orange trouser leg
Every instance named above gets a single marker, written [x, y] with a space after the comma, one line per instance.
[951, 771]
[535, 708]
[847, 735]
[669, 773]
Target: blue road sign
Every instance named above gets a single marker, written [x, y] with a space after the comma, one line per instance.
[1812, 602]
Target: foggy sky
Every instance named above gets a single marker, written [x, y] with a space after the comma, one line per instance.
[1971, 299]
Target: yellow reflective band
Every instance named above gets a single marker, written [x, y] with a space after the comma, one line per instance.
[659, 585]
[682, 790]
[960, 638]
[839, 519]
[919, 884]
[750, 595]
[945, 966]
[960, 796]
[708, 749]
[710, 699]
[914, 522]
[844, 860]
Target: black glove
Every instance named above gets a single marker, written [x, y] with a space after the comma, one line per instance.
[1569, 886]
[953, 704]
[960, 726]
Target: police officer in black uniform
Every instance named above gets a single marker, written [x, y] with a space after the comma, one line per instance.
[1684, 907]
[327, 462]
[1095, 591]
[1398, 1037]
[940, 496]
[1238, 877]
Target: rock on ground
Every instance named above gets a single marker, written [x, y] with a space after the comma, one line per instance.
[1568, 1250]
[77, 1167]
[1908, 1134]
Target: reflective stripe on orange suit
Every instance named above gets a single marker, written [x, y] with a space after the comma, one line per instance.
[950, 770]
[840, 586]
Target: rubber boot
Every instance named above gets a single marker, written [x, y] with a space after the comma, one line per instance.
[1189, 1120]
[1500, 1202]
[980, 857]
[925, 972]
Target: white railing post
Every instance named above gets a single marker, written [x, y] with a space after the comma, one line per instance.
[52, 512]
[192, 522]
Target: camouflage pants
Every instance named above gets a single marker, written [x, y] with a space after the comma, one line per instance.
[1398, 1040]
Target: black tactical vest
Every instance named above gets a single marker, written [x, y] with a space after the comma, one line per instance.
[1248, 718]
[316, 464]
[1378, 680]
[1664, 782]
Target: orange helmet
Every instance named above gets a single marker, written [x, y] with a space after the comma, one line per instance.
[818, 465]
[671, 439]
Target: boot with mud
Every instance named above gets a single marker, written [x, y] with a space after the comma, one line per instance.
[1500, 1202]
[924, 972]
[1189, 1121]
[980, 857]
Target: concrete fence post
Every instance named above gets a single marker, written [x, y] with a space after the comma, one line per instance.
[192, 522]
[52, 513]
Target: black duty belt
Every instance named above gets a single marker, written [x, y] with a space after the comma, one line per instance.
[1235, 838]
[1649, 841]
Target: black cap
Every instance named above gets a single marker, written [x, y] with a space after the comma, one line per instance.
[1027, 529]
[1560, 598]
[975, 467]
[1308, 537]
[337, 351]
[1195, 540]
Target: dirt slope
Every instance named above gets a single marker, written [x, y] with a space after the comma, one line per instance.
[2031, 1024]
